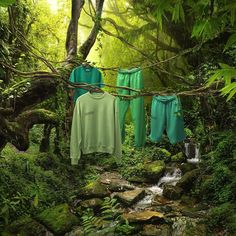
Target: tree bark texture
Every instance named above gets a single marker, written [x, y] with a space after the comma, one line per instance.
[72, 32]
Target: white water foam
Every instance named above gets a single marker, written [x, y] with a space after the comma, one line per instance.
[170, 178]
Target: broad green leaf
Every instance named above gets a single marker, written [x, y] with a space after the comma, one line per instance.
[6, 3]
[225, 73]
[232, 93]
[228, 88]
[225, 66]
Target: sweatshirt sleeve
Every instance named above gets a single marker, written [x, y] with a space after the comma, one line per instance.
[75, 140]
[118, 144]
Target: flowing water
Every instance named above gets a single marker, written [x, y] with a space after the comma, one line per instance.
[192, 151]
[170, 178]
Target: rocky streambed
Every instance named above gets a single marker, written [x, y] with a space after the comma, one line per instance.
[152, 208]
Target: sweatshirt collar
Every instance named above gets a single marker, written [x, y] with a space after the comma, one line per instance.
[97, 95]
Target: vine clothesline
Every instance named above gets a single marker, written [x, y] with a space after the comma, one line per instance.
[200, 91]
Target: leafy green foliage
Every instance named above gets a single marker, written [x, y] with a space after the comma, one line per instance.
[90, 223]
[207, 28]
[220, 183]
[223, 216]
[109, 221]
[6, 3]
[226, 73]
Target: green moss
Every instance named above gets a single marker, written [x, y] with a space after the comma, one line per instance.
[17, 225]
[58, 219]
[25, 226]
[179, 157]
[154, 170]
[94, 189]
[161, 154]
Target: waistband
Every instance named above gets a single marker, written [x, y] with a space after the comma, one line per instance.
[165, 99]
[129, 71]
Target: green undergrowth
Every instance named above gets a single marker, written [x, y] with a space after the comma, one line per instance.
[217, 185]
[33, 181]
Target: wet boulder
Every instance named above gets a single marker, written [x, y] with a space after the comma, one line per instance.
[128, 198]
[188, 179]
[154, 170]
[144, 216]
[172, 192]
[115, 182]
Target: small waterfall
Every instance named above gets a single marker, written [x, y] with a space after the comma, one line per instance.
[192, 151]
[170, 178]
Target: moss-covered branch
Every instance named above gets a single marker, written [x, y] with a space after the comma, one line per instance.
[17, 132]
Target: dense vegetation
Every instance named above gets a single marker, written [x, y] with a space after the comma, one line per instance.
[184, 47]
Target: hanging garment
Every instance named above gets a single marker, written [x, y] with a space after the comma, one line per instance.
[84, 74]
[95, 126]
[132, 78]
[166, 113]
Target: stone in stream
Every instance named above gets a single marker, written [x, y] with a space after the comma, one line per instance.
[154, 170]
[58, 219]
[160, 200]
[128, 198]
[188, 179]
[185, 167]
[115, 182]
[154, 230]
[172, 192]
[144, 216]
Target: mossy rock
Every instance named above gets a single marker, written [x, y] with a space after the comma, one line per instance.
[172, 192]
[153, 171]
[26, 226]
[186, 167]
[154, 230]
[58, 219]
[179, 157]
[161, 154]
[137, 179]
[91, 203]
[188, 179]
[128, 198]
[94, 189]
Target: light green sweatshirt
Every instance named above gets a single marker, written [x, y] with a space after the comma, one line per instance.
[95, 126]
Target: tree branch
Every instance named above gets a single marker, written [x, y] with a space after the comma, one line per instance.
[72, 32]
[87, 45]
[17, 132]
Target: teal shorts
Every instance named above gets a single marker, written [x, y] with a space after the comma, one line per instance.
[166, 114]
